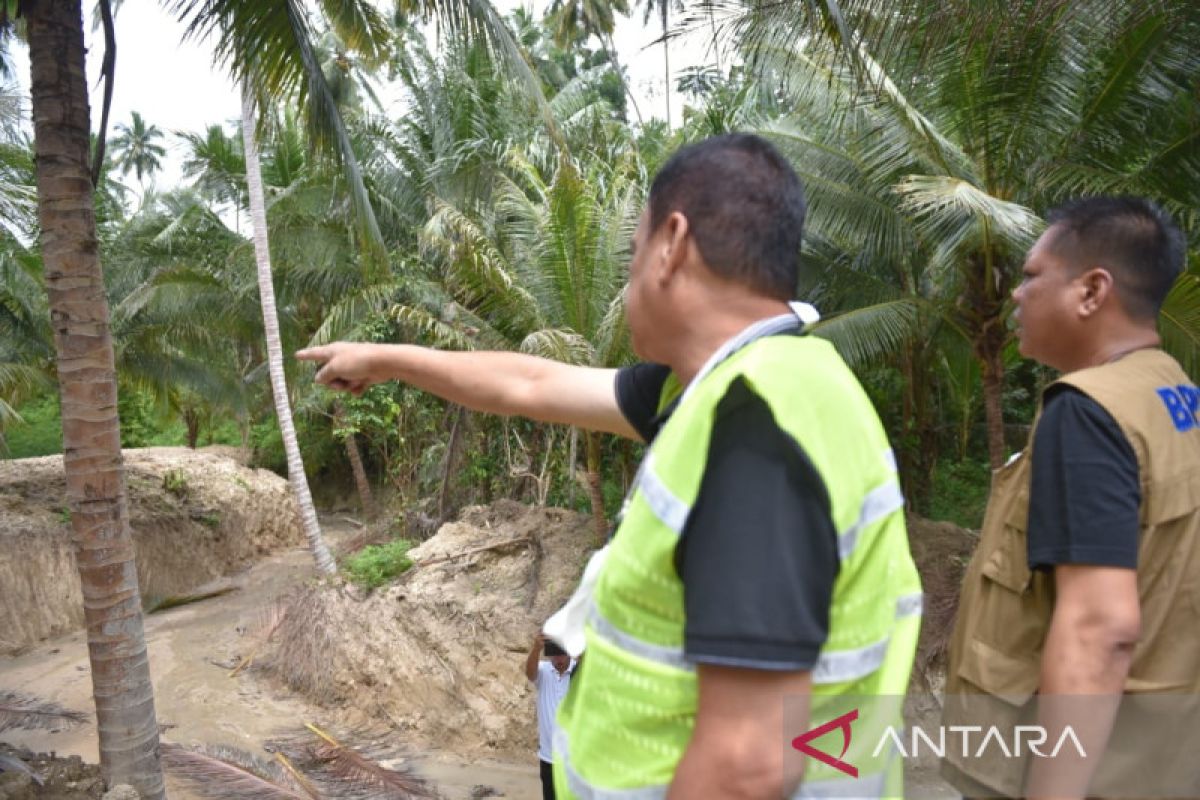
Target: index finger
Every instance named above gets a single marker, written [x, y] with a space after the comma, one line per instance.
[313, 354]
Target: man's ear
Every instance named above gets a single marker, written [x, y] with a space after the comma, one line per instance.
[1096, 287]
[673, 246]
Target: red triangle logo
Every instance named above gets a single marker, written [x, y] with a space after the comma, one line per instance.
[801, 743]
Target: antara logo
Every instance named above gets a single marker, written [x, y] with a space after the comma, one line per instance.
[1025, 739]
[801, 743]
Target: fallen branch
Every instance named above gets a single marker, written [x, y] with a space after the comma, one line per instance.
[473, 551]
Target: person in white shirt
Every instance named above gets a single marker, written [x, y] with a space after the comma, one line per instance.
[552, 679]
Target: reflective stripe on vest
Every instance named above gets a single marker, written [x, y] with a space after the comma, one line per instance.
[673, 512]
[879, 502]
[866, 786]
[836, 666]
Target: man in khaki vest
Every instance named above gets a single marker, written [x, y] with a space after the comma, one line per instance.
[1084, 592]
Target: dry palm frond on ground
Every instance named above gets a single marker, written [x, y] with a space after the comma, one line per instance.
[365, 769]
[268, 624]
[224, 773]
[13, 764]
[304, 651]
[19, 710]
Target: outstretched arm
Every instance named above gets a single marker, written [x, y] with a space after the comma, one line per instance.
[492, 382]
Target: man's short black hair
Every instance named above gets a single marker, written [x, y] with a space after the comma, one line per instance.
[744, 206]
[1133, 238]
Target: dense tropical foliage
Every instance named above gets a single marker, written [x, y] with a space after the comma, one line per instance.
[493, 211]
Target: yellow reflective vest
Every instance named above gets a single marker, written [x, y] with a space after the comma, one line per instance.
[629, 715]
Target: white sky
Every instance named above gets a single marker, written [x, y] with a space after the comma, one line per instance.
[174, 85]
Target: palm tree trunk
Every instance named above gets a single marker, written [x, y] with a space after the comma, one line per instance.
[95, 473]
[992, 371]
[666, 59]
[988, 346]
[266, 290]
[191, 419]
[594, 485]
[452, 448]
[365, 498]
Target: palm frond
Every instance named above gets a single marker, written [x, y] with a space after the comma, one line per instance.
[24, 711]
[361, 28]
[865, 335]
[560, 345]
[959, 216]
[13, 764]
[349, 765]
[1179, 323]
[268, 46]
[430, 328]
[344, 315]
[228, 774]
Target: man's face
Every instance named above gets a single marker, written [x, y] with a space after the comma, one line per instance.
[561, 663]
[1046, 299]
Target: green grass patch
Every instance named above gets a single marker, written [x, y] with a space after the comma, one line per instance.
[377, 564]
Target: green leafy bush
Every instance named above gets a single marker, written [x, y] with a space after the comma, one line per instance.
[377, 564]
[41, 432]
[960, 492]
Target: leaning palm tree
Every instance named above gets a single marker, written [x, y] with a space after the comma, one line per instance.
[266, 288]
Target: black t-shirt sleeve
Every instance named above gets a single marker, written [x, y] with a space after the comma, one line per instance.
[639, 388]
[758, 556]
[1084, 494]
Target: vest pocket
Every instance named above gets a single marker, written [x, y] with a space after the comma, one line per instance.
[1171, 498]
[1009, 678]
[1008, 563]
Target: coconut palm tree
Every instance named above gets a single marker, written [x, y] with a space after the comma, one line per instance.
[542, 270]
[135, 148]
[88, 391]
[592, 18]
[930, 158]
[266, 288]
[215, 164]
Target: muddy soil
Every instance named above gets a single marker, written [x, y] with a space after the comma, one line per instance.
[192, 650]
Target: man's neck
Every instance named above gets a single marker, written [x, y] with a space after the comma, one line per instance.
[706, 332]
[1115, 348]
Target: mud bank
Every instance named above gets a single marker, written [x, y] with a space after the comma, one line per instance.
[195, 516]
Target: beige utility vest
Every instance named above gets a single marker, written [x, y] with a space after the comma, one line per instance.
[1005, 608]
